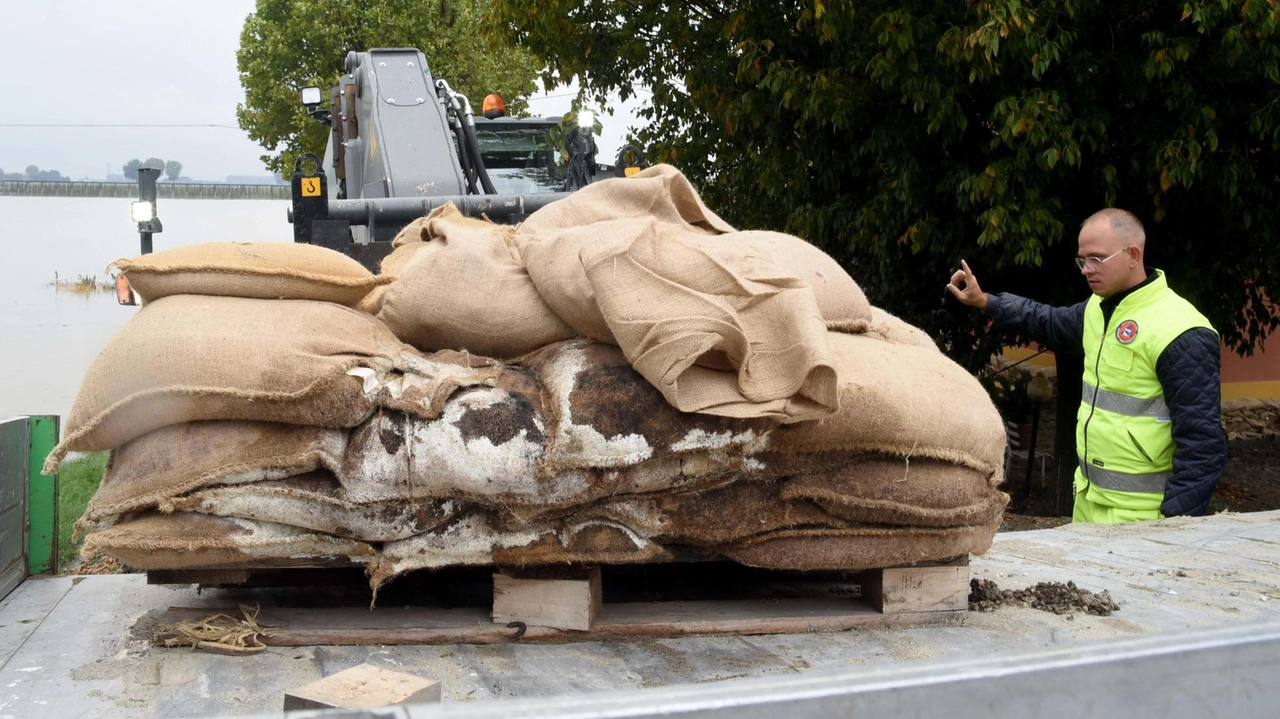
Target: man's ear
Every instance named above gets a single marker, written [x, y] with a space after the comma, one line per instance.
[1135, 254]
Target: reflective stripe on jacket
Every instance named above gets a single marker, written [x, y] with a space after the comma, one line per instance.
[1123, 432]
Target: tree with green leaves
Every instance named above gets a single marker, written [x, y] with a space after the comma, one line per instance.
[902, 136]
[173, 170]
[130, 169]
[289, 44]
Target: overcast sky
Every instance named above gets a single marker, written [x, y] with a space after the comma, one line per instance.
[137, 62]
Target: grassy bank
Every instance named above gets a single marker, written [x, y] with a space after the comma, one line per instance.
[78, 479]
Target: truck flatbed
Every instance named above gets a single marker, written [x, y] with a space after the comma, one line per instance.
[80, 646]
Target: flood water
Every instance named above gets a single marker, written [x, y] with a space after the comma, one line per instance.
[49, 335]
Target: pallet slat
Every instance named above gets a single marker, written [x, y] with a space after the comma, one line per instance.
[472, 625]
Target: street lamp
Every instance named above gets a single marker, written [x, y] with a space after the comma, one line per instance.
[143, 211]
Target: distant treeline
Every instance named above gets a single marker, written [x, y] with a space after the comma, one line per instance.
[34, 173]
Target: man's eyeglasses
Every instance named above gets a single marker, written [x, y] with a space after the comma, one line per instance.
[1094, 262]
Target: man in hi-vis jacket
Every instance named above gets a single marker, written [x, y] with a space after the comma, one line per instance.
[1149, 439]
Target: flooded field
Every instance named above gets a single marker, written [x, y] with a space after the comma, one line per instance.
[52, 319]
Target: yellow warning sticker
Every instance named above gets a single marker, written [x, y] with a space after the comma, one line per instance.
[631, 171]
[311, 187]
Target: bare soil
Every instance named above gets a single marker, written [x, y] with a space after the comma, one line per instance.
[986, 596]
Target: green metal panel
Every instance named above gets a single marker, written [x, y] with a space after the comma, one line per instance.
[42, 497]
[15, 449]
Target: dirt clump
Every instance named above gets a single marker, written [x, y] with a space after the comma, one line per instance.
[986, 596]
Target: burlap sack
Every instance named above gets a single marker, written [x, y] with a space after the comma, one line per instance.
[722, 322]
[711, 517]
[815, 550]
[395, 456]
[573, 424]
[610, 213]
[315, 501]
[193, 357]
[906, 401]
[461, 285]
[263, 270]
[185, 457]
[604, 414]
[392, 264]
[473, 540]
[910, 492]
[190, 541]
[716, 329]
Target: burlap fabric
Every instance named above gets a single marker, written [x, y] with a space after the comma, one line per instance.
[716, 330]
[192, 357]
[895, 331]
[811, 550]
[904, 400]
[315, 502]
[704, 518]
[461, 285]
[181, 458]
[604, 214]
[605, 414]
[263, 270]
[880, 490]
[722, 322]
[473, 540]
[189, 541]
[841, 302]
[573, 424]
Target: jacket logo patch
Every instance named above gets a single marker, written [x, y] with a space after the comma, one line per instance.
[1127, 332]
[1099, 463]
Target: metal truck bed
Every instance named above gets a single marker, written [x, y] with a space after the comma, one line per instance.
[79, 646]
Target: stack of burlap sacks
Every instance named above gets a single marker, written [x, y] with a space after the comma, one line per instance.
[621, 375]
[1251, 418]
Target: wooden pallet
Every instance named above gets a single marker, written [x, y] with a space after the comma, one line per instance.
[935, 594]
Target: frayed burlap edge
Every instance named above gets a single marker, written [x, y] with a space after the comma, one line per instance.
[313, 459]
[309, 545]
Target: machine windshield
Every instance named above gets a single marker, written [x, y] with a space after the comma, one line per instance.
[519, 160]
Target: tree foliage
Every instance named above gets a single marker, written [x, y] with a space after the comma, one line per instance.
[34, 172]
[173, 170]
[289, 44]
[904, 135]
[130, 169]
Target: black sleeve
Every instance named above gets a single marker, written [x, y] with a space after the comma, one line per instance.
[1061, 329]
[1189, 371]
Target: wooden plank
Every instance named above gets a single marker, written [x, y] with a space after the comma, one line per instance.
[920, 588]
[571, 601]
[360, 626]
[365, 686]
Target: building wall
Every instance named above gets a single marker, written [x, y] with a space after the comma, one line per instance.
[1256, 377]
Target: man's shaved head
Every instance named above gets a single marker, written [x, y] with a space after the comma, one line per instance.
[1123, 224]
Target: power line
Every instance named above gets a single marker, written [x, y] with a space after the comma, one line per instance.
[551, 97]
[33, 124]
